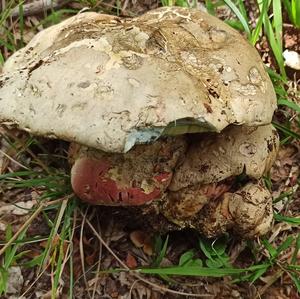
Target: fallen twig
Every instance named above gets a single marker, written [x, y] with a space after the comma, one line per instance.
[36, 7]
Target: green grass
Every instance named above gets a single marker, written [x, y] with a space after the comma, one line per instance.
[215, 262]
[182, 3]
[293, 9]
[55, 204]
[58, 208]
[54, 256]
[269, 24]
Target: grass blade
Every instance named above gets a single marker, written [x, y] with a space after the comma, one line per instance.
[296, 12]
[290, 220]
[239, 15]
[293, 9]
[210, 7]
[193, 271]
[256, 32]
[242, 9]
[59, 266]
[289, 104]
[286, 130]
[259, 273]
[275, 45]
[272, 251]
[285, 245]
[200, 271]
[296, 251]
[296, 281]
[162, 252]
[277, 20]
[1, 59]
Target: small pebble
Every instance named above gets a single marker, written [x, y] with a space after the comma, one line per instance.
[292, 59]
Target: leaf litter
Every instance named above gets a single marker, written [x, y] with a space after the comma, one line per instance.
[101, 280]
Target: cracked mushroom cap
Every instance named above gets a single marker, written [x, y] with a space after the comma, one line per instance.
[108, 83]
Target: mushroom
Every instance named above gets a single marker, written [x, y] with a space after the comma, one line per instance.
[247, 211]
[208, 172]
[134, 178]
[164, 109]
[215, 157]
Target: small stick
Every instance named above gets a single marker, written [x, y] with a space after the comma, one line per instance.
[36, 7]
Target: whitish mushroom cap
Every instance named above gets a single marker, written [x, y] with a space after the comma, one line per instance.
[216, 157]
[109, 83]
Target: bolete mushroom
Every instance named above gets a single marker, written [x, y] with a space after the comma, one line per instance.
[167, 109]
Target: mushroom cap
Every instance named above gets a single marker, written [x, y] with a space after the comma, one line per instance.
[109, 83]
[237, 149]
[251, 209]
[248, 212]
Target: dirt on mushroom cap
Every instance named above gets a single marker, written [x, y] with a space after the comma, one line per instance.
[137, 78]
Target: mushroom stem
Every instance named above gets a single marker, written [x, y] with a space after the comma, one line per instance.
[185, 204]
